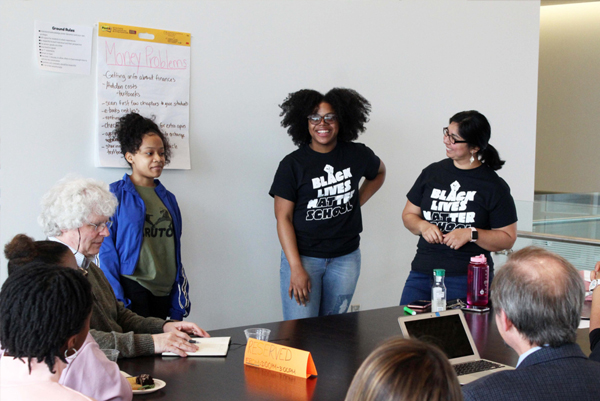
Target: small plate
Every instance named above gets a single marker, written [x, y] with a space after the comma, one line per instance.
[158, 384]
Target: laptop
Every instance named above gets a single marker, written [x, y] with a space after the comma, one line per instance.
[449, 331]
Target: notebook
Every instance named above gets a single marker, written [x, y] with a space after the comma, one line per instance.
[211, 346]
[449, 331]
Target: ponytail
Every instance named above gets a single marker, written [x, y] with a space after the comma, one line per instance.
[491, 157]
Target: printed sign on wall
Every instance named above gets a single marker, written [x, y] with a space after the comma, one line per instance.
[146, 71]
[63, 48]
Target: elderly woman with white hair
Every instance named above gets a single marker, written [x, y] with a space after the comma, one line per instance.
[76, 212]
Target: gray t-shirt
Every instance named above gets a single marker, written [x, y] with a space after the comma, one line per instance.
[156, 268]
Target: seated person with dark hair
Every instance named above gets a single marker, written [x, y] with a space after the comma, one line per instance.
[88, 370]
[537, 298]
[35, 354]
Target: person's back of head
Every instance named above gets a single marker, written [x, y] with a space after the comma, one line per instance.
[41, 308]
[542, 294]
[407, 370]
[23, 250]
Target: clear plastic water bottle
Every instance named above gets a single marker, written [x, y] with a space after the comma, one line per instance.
[478, 281]
[438, 291]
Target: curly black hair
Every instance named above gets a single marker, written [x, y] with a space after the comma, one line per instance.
[130, 131]
[351, 108]
[22, 250]
[41, 307]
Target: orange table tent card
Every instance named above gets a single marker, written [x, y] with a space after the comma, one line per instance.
[278, 358]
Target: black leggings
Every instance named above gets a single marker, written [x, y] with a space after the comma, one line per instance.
[143, 302]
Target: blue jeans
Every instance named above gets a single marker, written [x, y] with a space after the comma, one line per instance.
[332, 280]
[418, 286]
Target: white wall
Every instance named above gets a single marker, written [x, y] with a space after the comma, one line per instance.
[568, 99]
[418, 62]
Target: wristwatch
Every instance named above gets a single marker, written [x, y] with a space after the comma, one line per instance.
[474, 234]
[593, 285]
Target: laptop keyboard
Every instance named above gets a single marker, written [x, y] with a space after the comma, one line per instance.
[474, 367]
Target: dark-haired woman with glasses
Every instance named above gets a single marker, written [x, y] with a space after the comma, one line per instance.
[318, 200]
[460, 208]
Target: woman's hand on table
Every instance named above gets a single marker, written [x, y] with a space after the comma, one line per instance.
[457, 238]
[174, 341]
[187, 327]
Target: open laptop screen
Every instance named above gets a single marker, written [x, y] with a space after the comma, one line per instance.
[447, 332]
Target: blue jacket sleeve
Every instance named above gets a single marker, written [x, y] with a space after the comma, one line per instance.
[110, 262]
[180, 301]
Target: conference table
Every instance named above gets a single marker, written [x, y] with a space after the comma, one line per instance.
[338, 345]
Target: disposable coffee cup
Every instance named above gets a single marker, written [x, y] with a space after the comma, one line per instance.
[258, 334]
[111, 354]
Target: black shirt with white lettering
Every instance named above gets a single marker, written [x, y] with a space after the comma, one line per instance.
[324, 188]
[452, 198]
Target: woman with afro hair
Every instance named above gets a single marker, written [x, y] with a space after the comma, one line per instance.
[318, 200]
[142, 256]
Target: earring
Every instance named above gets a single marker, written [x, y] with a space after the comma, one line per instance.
[74, 353]
[472, 159]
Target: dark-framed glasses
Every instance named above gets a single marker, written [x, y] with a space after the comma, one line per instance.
[101, 226]
[315, 119]
[451, 137]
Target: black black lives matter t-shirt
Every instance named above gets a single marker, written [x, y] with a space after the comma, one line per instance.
[452, 198]
[324, 189]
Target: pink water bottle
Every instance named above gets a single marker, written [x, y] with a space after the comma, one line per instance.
[478, 281]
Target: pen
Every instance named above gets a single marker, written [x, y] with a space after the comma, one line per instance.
[192, 341]
[410, 311]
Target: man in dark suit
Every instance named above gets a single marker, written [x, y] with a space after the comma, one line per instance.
[537, 298]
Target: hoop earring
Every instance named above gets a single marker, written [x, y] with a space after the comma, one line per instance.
[472, 159]
[74, 354]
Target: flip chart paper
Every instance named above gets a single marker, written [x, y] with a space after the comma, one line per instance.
[279, 358]
[146, 71]
[63, 48]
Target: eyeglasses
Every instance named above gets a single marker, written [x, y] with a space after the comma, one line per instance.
[452, 138]
[101, 226]
[315, 119]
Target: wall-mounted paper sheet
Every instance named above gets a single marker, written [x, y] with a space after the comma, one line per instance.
[146, 71]
[63, 48]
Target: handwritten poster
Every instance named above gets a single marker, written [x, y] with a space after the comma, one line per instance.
[288, 360]
[146, 71]
[63, 48]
